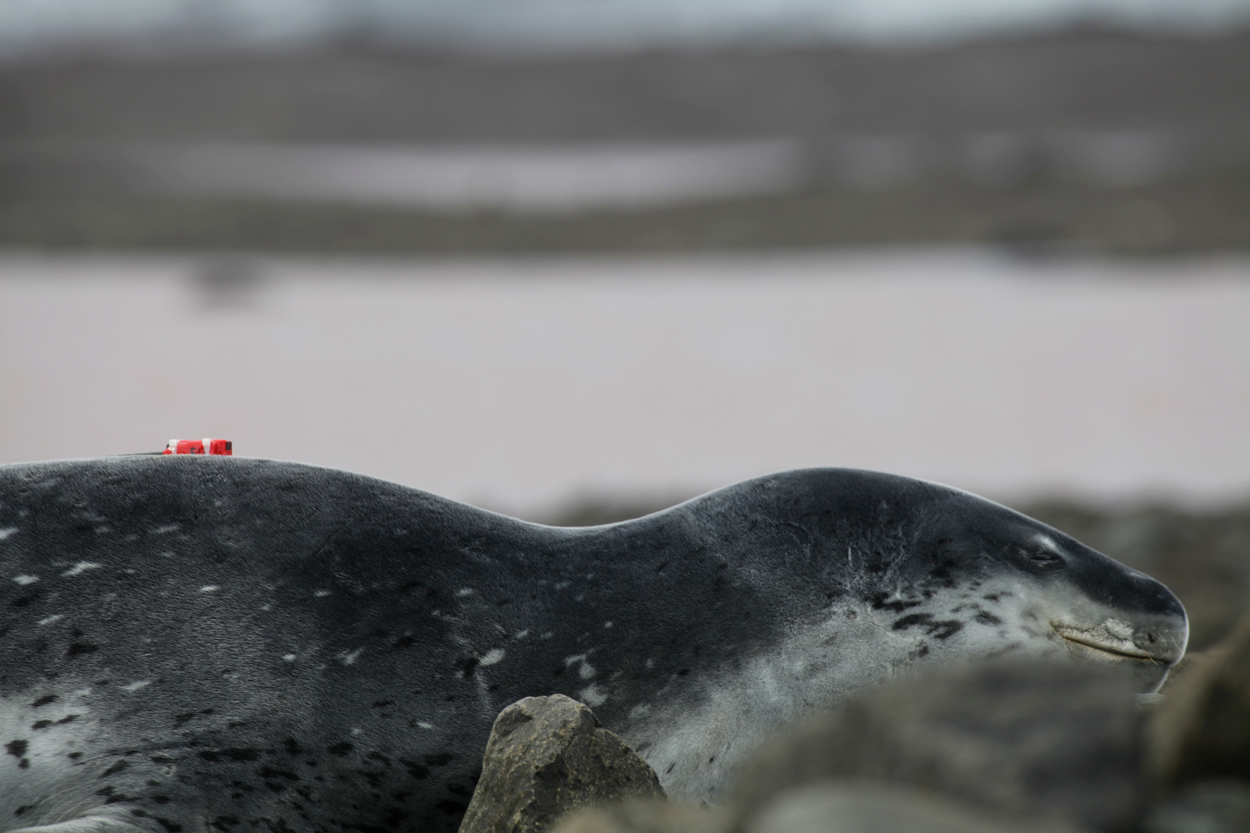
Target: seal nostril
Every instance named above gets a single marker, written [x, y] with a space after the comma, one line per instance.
[1161, 643]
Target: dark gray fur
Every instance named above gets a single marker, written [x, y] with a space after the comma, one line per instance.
[196, 644]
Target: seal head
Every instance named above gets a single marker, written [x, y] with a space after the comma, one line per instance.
[896, 574]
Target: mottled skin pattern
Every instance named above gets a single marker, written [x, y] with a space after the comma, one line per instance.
[205, 644]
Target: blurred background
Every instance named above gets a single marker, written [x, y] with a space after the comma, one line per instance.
[576, 261]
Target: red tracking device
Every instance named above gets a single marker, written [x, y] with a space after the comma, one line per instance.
[204, 446]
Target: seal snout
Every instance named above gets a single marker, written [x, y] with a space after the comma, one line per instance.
[1162, 639]
[1163, 642]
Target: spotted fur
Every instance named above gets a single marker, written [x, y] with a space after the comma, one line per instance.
[243, 646]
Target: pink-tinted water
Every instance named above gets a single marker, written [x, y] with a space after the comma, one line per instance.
[521, 384]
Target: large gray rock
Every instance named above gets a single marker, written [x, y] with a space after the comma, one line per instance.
[1053, 741]
[545, 757]
[869, 808]
[1201, 730]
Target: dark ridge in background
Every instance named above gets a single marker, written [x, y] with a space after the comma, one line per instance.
[1076, 79]
[57, 115]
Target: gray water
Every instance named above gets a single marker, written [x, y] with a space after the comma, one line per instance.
[522, 384]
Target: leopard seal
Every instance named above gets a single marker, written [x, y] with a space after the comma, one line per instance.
[223, 645]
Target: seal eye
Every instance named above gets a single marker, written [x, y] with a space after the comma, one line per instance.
[1042, 559]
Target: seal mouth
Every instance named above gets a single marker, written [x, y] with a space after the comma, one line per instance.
[1102, 650]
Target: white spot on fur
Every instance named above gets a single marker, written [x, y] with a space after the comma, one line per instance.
[349, 657]
[585, 670]
[592, 696]
[650, 663]
[135, 686]
[464, 591]
[492, 657]
[166, 529]
[210, 588]
[547, 635]
[608, 625]
[424, 725]
[521, 634]
[288, 657]
[7, 531]
[25, 580]
[640, 710]
[80, 568]
[560, 585]
[321, 594]
[356, 732]
[56, 617]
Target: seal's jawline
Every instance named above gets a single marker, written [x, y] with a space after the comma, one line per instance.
[1085, 642]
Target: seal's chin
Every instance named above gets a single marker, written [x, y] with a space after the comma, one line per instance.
[1147, 671]
[1107, 650]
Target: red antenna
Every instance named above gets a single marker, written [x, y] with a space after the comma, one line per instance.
[204, 446]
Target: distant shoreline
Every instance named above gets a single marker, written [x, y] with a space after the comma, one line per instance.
[1079, 141]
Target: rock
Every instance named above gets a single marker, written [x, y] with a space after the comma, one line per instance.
[545, 757]
[1203, 807]
[1202, 728]
[1048, 740]
[645, 817]
[869, 808]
